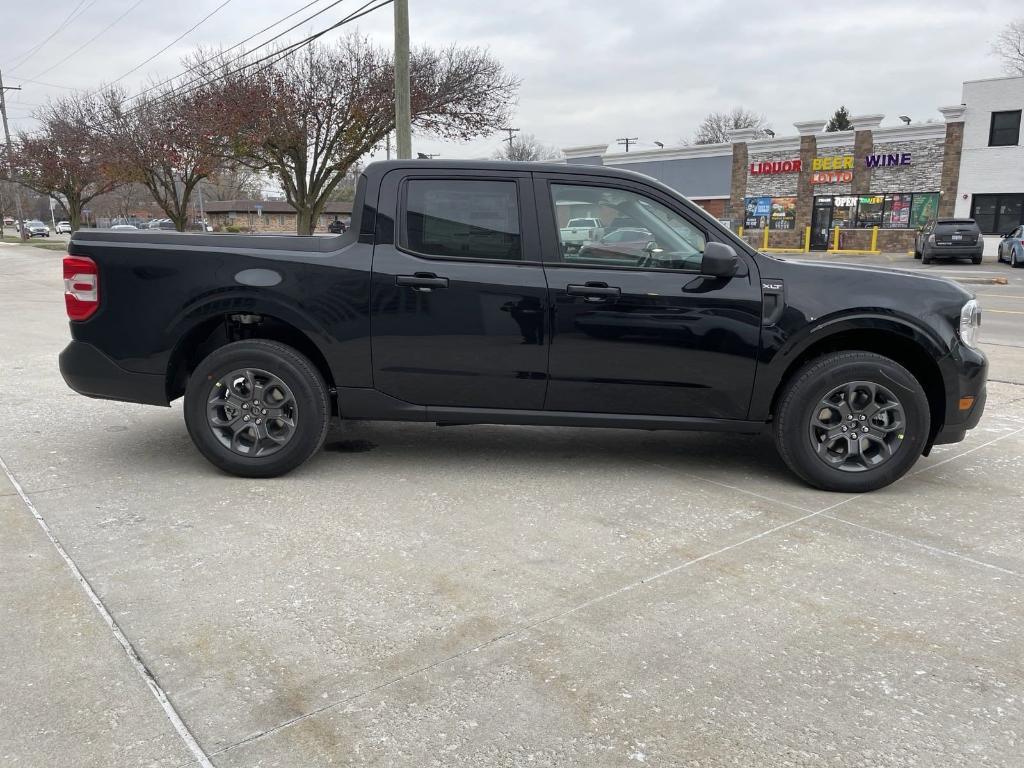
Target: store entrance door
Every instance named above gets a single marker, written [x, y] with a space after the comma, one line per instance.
[821, 223]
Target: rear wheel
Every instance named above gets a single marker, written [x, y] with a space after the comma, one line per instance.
[256, 408]
[1016, 260]
[852, 422]
[926, 258]
[976, 259]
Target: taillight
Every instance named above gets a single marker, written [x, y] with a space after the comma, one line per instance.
[81, 287]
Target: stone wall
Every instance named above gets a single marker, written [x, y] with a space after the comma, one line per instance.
[738, 183]
[953, 149]
[771, 184]
[833, 189]
[924, 173]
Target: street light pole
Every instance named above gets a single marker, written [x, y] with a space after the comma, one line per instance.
[10, 157]
[403, 109]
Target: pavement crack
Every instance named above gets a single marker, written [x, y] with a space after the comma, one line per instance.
[523, 628]
[928, 547]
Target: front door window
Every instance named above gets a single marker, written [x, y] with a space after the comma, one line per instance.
[630, 230]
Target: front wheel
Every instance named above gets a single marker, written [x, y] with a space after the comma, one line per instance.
[852, 422]
[257, 408]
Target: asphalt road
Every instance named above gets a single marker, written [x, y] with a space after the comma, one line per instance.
[491, 596]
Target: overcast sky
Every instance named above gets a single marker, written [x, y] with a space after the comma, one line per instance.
[591, 71]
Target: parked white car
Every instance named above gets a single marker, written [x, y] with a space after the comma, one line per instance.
[580, 231]
[63, 228]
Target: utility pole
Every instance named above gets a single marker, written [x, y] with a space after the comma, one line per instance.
[10, 157]
[511, 137]
[627, 142]
[403, 109]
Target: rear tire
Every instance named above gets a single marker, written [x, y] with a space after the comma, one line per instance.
[1015, 261]
[293, 415]
[926, 258]
[896, 417]
[976, 259]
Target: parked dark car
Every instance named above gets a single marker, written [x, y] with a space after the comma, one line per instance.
[336, 227]
[1011, 247]
[949, 239]
[451, 300]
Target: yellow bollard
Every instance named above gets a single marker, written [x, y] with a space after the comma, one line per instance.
[764, 240]
[807, 239]
[835, 240]
[874, 238]
[739, 231]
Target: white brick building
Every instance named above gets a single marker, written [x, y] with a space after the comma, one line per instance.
[991, 186]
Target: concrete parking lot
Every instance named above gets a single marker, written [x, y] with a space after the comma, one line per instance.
[503, 596]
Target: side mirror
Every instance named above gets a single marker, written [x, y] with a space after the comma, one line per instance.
[652, 246]
[720, 260]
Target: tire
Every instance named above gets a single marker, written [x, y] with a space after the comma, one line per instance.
[917, 253]
[285, 375]
[976, 259]
[926, 257]
[1015, 261]
[802, 404]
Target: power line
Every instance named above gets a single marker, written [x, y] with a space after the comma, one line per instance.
[19, 60]
[511, 136]
[277, 56]
[184, 34]
[92, 39]
[627, 142]
[243, 42]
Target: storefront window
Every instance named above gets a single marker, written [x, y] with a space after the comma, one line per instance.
[924, 208]
[896, 213]
[844, 209]
[869, 210]
[783, 214]
[757, 211]
[998, 214]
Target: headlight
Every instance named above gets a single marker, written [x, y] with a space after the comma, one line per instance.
[970, 323]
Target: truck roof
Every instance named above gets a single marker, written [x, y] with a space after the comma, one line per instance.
[379, 168]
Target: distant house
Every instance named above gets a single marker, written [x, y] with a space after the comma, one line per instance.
[267, 215]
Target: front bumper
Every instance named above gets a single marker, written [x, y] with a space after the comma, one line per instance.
[965, 377]
[90, 372]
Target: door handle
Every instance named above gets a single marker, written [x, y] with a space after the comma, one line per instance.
[422, 281]
[593, 290]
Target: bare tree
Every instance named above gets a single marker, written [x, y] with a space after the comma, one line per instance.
[327, 106]
[234, 182]
[172, 139]
[1009, 47]
[63, 158]
[526, 146]
[715, 128]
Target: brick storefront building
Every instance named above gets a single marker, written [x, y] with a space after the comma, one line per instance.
[267, 215]
[893, 177]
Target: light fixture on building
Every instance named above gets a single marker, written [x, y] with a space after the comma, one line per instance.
[770, 132]
[905, 119]
[660, 145]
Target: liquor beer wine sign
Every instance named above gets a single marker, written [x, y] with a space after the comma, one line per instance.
[839, 168]
[774, 166]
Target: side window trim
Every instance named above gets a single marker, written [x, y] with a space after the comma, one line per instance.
[524, 202]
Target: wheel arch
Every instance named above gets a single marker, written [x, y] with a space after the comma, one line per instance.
[896, 340]
[216, 330]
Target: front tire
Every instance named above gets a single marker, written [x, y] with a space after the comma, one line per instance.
[852, 422]
[257, 408]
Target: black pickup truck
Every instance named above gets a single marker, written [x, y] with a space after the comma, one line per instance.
[451, 300]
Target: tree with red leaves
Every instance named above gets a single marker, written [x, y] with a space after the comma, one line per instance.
[63, 158]
[325, 107]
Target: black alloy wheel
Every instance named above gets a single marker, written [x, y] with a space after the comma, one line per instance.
[857, 426]
[257, 408]
[851, 421]
[252, 412]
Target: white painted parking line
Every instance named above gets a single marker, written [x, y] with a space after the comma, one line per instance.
[129, 650]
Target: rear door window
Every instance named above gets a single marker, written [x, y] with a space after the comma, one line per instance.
[462, 218]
